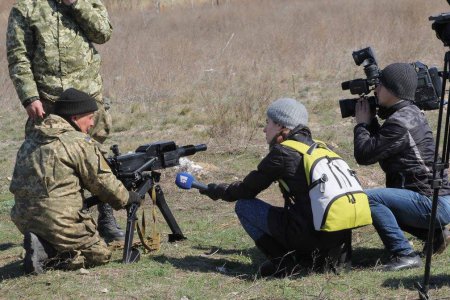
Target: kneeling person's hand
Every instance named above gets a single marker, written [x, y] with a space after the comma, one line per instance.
[134, 198]
[215, 191]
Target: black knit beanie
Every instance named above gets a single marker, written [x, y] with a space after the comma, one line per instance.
[74, 102]
[401, 80]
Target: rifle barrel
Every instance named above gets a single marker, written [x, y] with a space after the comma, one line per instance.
[191, 149]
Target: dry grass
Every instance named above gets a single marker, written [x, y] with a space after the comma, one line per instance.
[219, 66]
[231, 60]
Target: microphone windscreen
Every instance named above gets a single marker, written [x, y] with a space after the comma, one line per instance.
[184, 180]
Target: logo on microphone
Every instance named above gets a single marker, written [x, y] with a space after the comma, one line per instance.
[183, 179]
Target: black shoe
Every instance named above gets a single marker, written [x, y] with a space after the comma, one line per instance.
[107, 225]
[267, 269]
[279, 267]
[440, 242]
[403, 262]
[338, 259]
[37, 253]
[281, 263]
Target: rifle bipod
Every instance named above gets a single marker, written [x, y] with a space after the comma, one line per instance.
[131, 254]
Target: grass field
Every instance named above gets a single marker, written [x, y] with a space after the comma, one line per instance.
[198, 72]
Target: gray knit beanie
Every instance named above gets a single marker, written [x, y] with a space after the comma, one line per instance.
[401, 80]
[288, 112]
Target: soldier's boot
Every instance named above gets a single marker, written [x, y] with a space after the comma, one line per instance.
[281, 263]
[38, 253]
[107, 225]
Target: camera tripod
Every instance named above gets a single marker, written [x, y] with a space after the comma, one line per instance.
[440, 164]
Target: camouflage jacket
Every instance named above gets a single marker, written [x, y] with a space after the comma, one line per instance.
[49, 47]
[53, 166]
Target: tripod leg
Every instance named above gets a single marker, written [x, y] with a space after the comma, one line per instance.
[438, 171]
[130, 254]
[176, 235]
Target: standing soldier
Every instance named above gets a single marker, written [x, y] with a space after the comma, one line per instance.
[50, 49]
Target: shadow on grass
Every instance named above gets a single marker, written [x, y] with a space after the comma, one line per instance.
[6, 246]
[211, 265]
[244, 271]
[211, 262]
[368, 257]
[363, 258]
[253, 253]
[11, 270]
[372, 257]
[436, 281]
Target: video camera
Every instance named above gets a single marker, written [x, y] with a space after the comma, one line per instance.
[428, 86]
[441, 25]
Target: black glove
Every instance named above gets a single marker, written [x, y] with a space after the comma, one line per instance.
[134, 198]
[215, 191]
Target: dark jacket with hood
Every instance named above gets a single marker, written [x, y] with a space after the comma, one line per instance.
[403, 146]
[291, 225]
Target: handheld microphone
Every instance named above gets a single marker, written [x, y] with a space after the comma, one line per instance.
[186, 181]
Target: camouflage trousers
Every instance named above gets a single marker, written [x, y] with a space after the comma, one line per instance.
[102, 119]
[94, 255]
[89, 255]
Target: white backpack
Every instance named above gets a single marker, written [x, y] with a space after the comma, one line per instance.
[338, 201]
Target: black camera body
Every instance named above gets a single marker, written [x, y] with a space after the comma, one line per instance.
[429, 87]
[428, 92]
[347, 106]
[360, 86]
[441, 25]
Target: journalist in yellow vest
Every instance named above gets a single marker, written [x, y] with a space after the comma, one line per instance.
[286, 235]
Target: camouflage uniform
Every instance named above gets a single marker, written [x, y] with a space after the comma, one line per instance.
[53, 166]
[49, 49]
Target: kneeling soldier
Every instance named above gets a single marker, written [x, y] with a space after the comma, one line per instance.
[56, 162]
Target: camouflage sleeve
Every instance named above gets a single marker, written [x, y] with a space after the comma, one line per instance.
[19, 49]
[96, 175]
[92, 17]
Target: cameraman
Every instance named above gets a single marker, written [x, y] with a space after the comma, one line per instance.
[404, 147]
[57, 160]
[286, 235]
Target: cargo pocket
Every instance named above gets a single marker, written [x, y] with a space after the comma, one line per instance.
[88, 222]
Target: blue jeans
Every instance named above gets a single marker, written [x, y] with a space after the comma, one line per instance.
[254, 217]
[395, 210]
